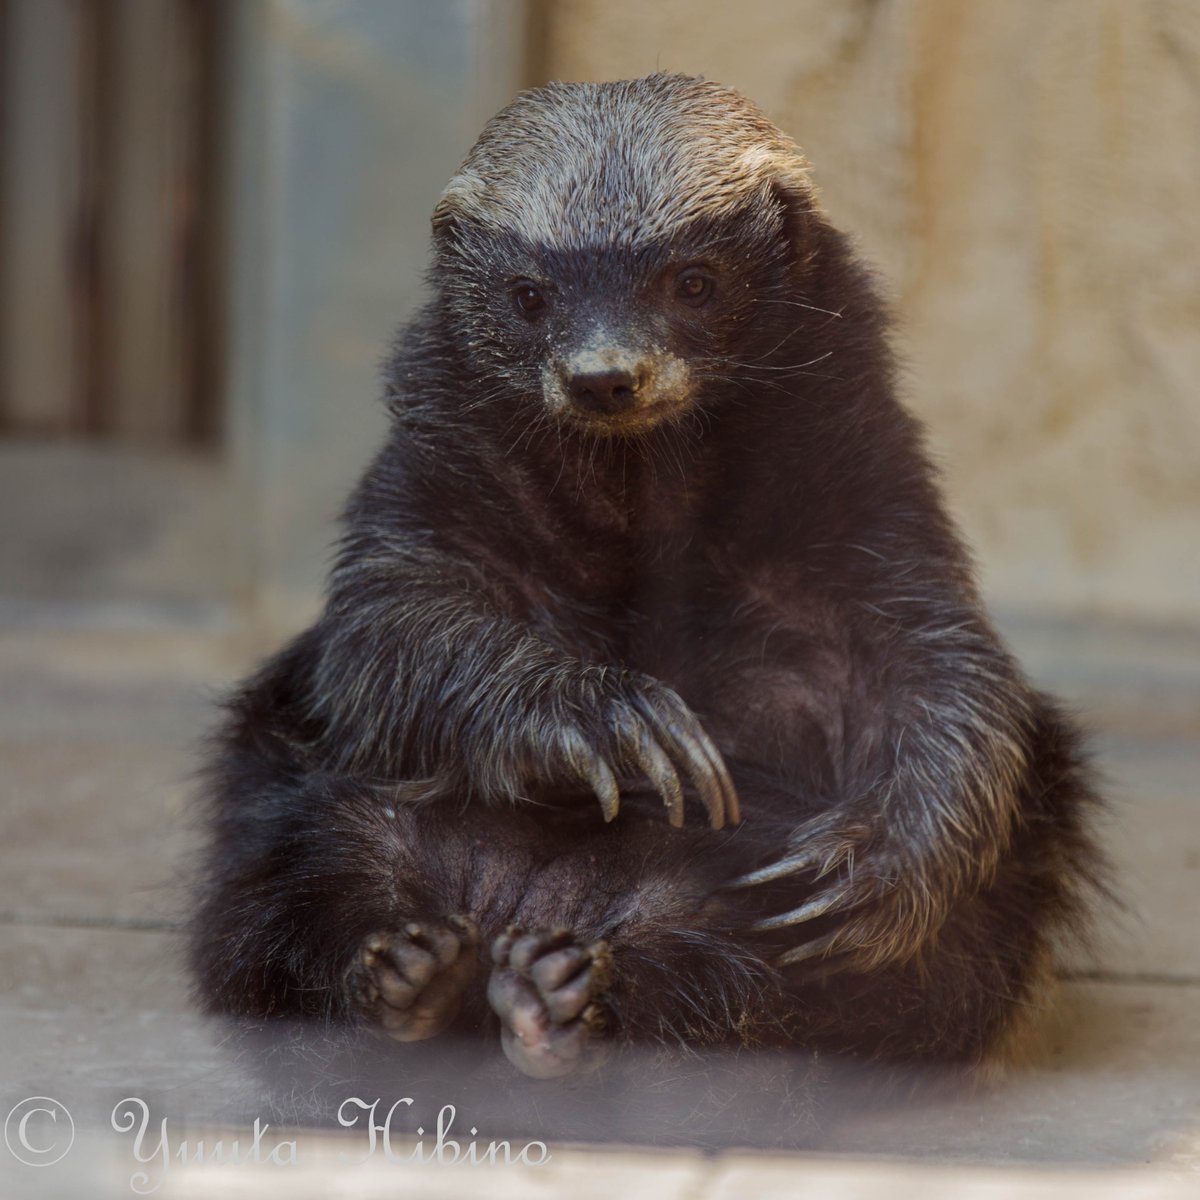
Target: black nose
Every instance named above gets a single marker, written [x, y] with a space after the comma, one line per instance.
[604, 391]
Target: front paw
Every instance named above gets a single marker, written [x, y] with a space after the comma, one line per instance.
[632, 727]
[866, 903]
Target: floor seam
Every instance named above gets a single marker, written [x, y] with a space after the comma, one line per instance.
[64, 921]
[1147, 977]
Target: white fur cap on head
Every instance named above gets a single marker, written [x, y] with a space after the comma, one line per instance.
[620, 162]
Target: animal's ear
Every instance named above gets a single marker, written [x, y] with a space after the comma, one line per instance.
[802, 214]
[443, 219]
[455, 203]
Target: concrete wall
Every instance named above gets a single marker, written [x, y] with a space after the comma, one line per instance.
[1027, 173]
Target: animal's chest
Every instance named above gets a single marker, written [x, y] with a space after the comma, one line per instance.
[768, 670]
[762, 663]
[763, 666]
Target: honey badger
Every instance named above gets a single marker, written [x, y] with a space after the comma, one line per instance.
[652, 699]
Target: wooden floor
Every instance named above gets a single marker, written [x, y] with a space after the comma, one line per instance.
[97, 737]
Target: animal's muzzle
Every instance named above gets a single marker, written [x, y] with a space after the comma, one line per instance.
[605, 393]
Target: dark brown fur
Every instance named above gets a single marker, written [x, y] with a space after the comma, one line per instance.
[528, 593]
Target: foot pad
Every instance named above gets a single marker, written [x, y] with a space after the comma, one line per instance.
[411, 982]
[544, 988]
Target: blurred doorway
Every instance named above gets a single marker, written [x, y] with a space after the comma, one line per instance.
[110, 220]
[213, 214]
[112, 223]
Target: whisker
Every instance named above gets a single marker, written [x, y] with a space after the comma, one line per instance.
[755, 365]
[799, 304]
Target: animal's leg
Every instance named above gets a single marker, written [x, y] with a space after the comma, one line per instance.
[313, 889]
[323, 899]
[617, 939]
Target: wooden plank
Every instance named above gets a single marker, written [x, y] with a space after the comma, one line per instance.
[40, 198]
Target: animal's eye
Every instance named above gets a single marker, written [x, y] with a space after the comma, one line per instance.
[693, 285]
[528, 297]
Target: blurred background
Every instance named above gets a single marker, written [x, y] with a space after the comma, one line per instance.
[213, 213]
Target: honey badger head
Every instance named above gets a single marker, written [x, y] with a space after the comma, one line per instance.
[612, 250]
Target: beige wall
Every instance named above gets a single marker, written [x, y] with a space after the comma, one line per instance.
[1027, 174]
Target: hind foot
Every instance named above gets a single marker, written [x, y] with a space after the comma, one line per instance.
[544, 988]
[411, 983]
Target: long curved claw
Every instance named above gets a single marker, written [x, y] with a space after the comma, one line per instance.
[793, 864]
[658, 769]
[598, 774]
[818, 906]
[702, 775]
[814, 949]
[733, 812]
[604, 784]
[697, 759]
[699, 770]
